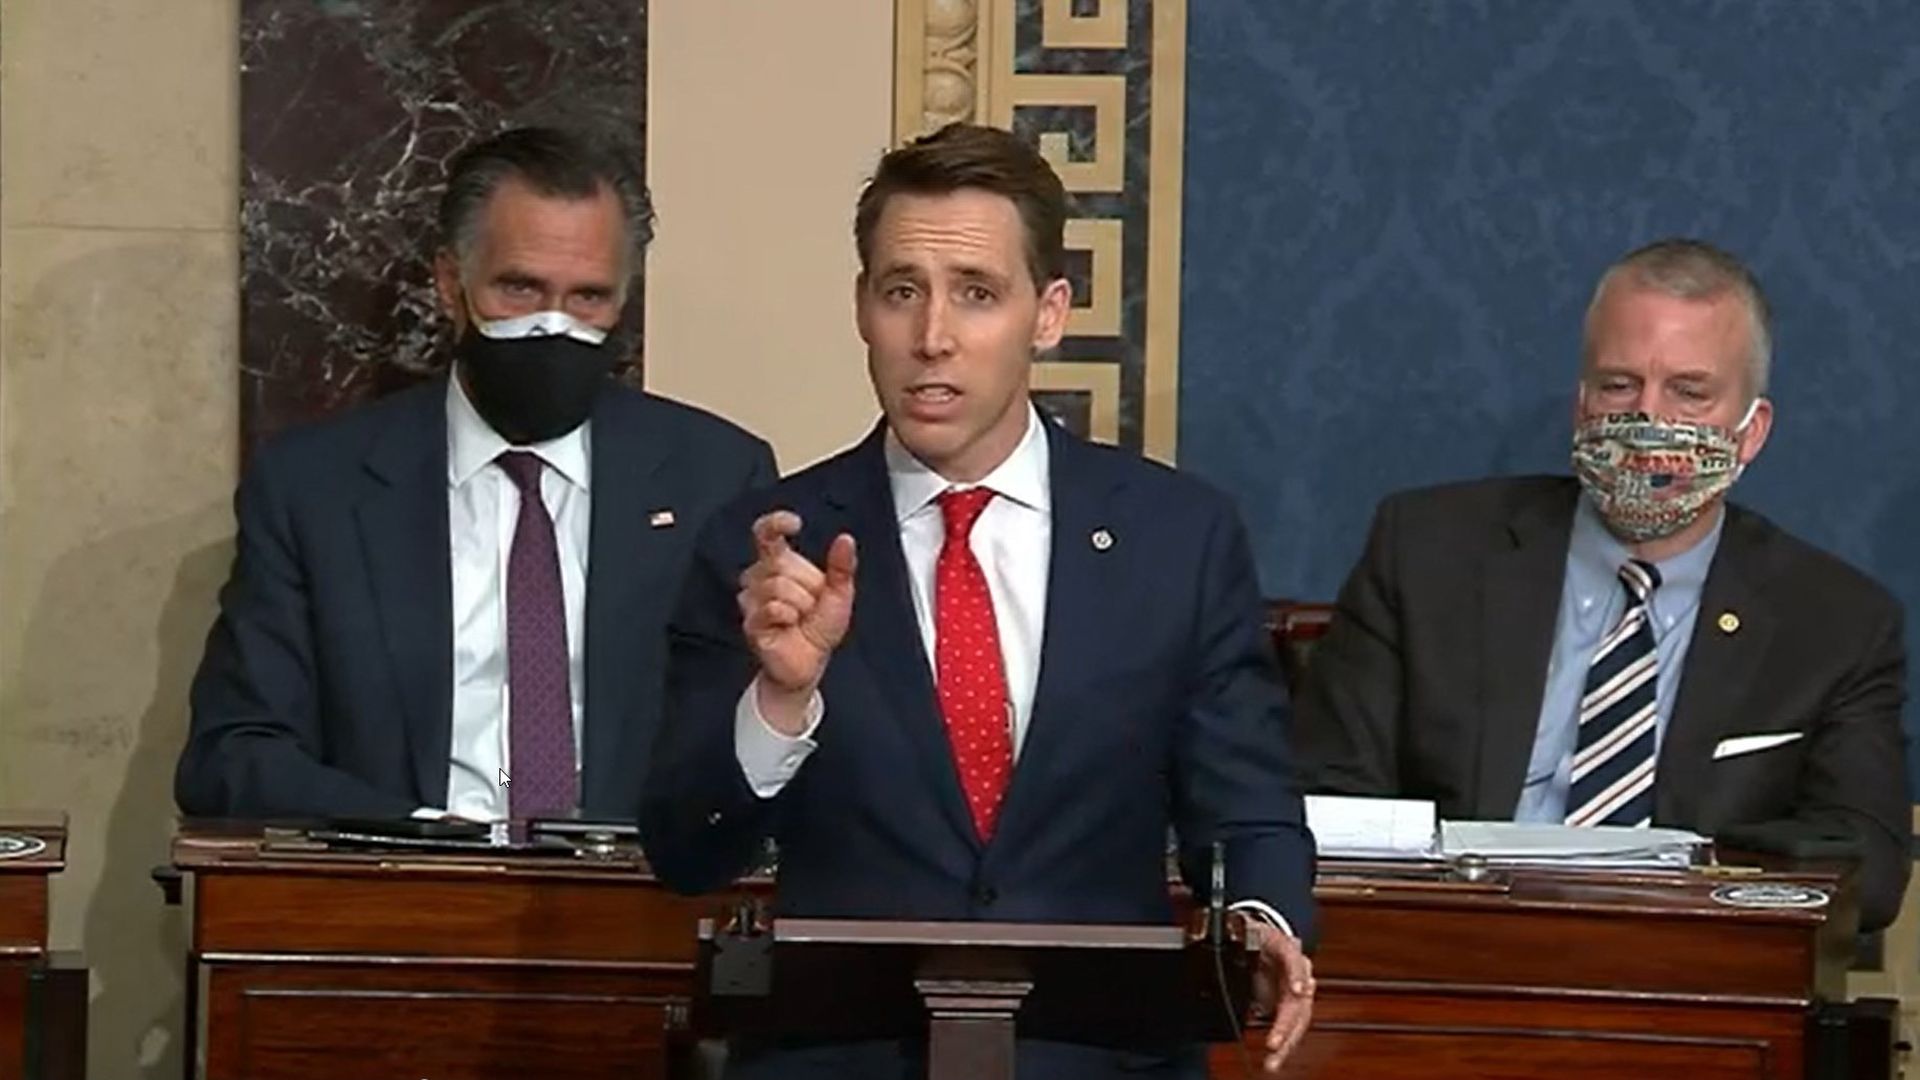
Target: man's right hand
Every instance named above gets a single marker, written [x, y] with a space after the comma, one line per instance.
[793, 614]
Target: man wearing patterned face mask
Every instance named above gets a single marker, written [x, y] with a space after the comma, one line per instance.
[409, 627]
[1625, 647]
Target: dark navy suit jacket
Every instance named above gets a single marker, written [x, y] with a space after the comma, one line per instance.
[326, 687]
[1158, 705]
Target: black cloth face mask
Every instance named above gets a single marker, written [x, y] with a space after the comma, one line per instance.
[534, 377]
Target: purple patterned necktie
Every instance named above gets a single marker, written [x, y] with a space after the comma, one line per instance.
[540, 706]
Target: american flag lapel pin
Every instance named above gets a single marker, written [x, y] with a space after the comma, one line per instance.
[661, 519]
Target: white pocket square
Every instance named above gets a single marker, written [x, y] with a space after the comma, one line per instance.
[1747, 744]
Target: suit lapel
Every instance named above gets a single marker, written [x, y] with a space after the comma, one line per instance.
[403, 531]
[1080, 585]
[1519, 605]
[624, 550]
[887, 630]
[1718, 668]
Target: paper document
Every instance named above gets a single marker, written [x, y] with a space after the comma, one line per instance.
[1524, 844]
[1350, 827]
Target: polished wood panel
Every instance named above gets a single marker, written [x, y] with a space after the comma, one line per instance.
[23, 906]
[14, 977]
[58, 1001]
[23, 942]
[291, 1021]
[481, 968]
[1526, 1053]
[455, 968]
[1385, 1030]
[1646, 940]
[424, 910]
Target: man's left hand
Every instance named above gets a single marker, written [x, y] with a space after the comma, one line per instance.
[1284, 984]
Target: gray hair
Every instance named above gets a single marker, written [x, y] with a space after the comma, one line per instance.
[553, 162]
[1696, 270]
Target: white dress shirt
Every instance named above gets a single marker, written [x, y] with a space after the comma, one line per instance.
[1013, 540]
[483, 507]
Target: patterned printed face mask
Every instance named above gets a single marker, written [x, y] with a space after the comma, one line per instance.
[1651, 478]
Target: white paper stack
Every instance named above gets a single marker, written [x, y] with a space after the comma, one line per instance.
[1349, 827]
[1509, 843]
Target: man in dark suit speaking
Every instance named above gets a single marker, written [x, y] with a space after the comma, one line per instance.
[1626, 647]
[974, 667]
[451, 601]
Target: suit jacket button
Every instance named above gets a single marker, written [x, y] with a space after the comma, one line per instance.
[714, 818]
[985, 895]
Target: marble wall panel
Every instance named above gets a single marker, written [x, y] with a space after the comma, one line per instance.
[350, 110]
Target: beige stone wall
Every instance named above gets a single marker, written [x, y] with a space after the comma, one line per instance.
[765, 120]
[118, 339]
[117, 420]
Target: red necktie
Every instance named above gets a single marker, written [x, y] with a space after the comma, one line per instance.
[972, 675]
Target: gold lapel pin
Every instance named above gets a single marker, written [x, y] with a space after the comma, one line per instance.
[1102, 539]
[661, 519]
[1729, 623]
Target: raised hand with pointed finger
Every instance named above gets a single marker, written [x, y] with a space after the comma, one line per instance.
[793, 615]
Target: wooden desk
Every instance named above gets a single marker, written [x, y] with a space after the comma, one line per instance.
[42, 996]
[1567, 976]
[463, 969]
[449, 968]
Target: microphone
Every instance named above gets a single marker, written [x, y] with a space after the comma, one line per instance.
[1217, 934]
[1217, 895]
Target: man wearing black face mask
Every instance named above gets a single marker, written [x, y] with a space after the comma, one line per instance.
[1623, 646]
[451, 602]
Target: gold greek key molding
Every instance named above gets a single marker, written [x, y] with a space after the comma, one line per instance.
[1060, 28]
[1160, 419]
[1100, 238]
[1105, 95]
[1100, 382]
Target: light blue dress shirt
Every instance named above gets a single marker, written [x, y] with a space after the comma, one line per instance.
[1591, 603]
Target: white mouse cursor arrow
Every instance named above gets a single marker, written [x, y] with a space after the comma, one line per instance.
[504, 778]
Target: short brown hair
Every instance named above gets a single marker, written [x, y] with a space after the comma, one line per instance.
[983, 158]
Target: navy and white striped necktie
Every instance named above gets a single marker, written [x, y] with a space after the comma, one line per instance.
[1619, 716]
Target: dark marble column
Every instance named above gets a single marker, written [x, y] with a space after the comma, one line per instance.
[350, 110]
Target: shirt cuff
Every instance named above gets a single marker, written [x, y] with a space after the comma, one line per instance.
[769, 758]
[1267, 912]
[427, 813]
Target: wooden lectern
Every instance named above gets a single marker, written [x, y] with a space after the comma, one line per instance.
[969, 987]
